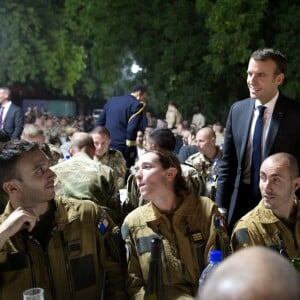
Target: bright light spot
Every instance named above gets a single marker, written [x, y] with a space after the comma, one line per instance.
[135, 68]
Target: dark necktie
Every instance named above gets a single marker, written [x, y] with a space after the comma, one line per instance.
[1, 116]
[256, 154]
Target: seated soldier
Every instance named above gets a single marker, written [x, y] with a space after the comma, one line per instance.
[275, 221]
[203, 160]
[162, 138]
[82, 178]
[33, 133]
[109, 157]
[71, 249]
[188, 225]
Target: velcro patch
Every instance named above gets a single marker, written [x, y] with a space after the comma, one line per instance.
[74, 246]
[144, 243]
[197, 236]
[241, 238]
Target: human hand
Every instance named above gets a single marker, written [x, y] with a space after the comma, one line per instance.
[20, 218]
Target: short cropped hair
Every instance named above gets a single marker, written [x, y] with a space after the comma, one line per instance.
[10, 152]
[139, 88]
[163, 138]
[275, 55]
[100, 130]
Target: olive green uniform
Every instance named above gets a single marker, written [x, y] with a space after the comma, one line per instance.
[187, 235]
[114, 159]
[261, 227]
[82, 249]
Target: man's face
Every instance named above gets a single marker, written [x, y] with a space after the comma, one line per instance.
[276, 185]
[204, 142]
[35, 179]
[140, 138]
[101, 142]
[262, 81]
[3, 96]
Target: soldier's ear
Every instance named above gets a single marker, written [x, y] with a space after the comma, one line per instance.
[10, 186]
[297, 183]
[171, 173]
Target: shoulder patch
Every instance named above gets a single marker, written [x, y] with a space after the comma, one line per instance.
[220, 222]
[103, 223]
[241, 238]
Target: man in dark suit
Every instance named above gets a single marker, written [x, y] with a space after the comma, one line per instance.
[123, 116]
[280, 133]
[11, 116]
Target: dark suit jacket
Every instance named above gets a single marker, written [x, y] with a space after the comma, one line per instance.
[14, 122]
[283, 136]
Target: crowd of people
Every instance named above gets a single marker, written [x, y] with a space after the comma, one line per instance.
[65, 226]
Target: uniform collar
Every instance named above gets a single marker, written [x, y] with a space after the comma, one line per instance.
[186, 208]
[266, 216]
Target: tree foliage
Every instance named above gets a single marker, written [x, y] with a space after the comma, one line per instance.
[35, 46]
[192, 51]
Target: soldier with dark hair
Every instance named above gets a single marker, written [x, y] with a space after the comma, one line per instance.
[70, 248]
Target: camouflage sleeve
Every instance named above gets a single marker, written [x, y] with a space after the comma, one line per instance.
[113, 201]
[195, 182]
[133, 196]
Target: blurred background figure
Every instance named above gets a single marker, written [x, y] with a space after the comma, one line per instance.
[173, 115]
[219, 131]
[107, 156]
[11, 115]
[198, 119]
[140, 144]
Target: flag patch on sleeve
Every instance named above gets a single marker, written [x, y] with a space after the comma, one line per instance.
[103, 224]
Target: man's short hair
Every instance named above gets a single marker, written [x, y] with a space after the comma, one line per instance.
[7, 90]
[275, 55]
[10, 152]
[100, 130]
[163, 138]
[139, 88]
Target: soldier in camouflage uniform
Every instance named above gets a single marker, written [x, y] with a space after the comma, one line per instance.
[275, 221]
[189, 227]
[82, 178]
[109, 157]
[203, 160]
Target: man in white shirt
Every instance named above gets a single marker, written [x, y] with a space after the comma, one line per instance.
[280, 132]
[11, 116]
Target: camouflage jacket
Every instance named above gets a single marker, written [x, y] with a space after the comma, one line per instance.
[115, 160]
[82, 178]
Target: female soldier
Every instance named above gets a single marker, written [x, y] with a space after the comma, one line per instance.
[189, 227]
